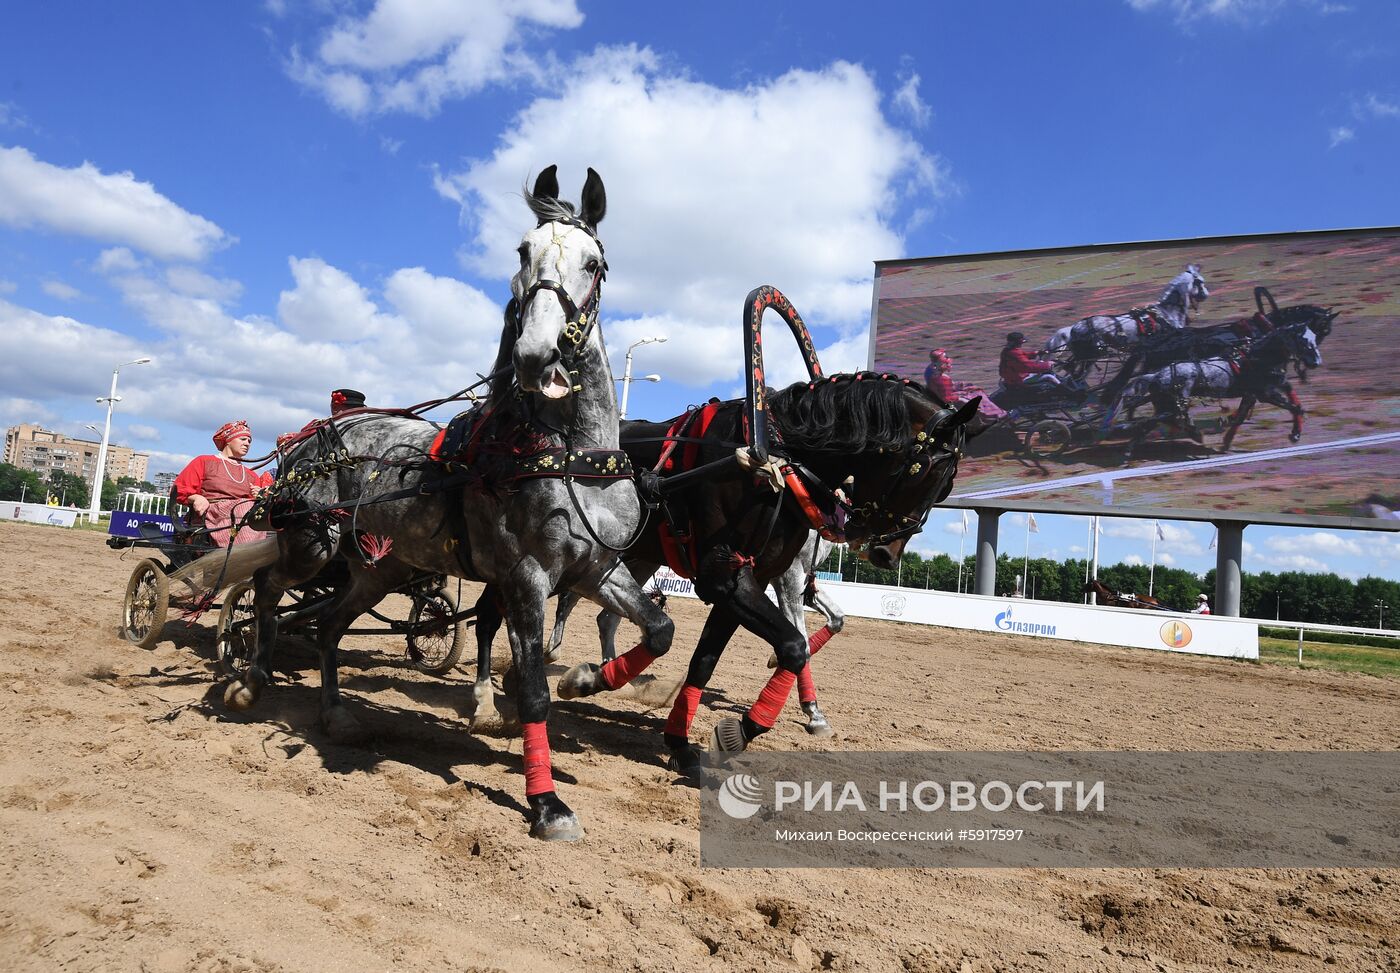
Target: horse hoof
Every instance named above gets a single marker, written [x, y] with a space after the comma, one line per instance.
[1296, 437]
[341, 727]
[553, 655]
[584, 679]
[817, 725]
[553, 819]
[728, 737]
[688, 762]
[240, 697]
[772, 660]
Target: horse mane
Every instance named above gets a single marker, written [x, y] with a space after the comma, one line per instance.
[855, 412]
[548, 209]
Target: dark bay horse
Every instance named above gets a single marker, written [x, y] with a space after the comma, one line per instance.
[892, 441]
[1107, 596]
[539, 501]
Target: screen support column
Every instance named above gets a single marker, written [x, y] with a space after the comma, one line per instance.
[985, 582]
[1229, 551]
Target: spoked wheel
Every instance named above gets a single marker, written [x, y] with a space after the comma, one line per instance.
[237, 637]
[1049, 437]
[435, 640]
[147, 601]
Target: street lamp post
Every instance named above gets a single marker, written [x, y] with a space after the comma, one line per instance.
[1380, 609]
[627, 372]
[99, 477]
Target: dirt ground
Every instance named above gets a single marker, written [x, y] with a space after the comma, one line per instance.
[144, 828]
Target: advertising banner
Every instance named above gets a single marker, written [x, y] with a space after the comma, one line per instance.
[127, 523]
[1245, 375]
[1166, 631]
[38, 513]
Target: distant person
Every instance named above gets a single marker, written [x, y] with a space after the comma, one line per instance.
[1019, 369]
[1202, 605]
[342, 400]
[219, 489]
[938, 377]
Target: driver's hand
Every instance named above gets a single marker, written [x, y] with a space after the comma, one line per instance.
[199, 504]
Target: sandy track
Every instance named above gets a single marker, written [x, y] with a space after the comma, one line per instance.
[144, 828]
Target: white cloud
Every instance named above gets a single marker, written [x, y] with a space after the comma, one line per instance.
[107, 207]
[1246, 13]
[327, 303]
[14, 410]
[1164, 558]
[138, 430]
[694, 221]
[1134, 560]
[12, 117]
[1339, 135]
[59, 290]
[8, 286]
[1378, 107]
[906, 99]
[412, 55]
[443, 309]
[195, 283]
[1295, 562]
[1323, 542]
[116, 260]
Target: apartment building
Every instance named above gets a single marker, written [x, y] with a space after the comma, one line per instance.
[43, 450]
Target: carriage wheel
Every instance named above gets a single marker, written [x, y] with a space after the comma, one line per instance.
[237, 635]
[147, 600]
[435, 641]
[1049, 437]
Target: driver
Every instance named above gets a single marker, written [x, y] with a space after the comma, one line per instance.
[1022, 370]
[219, 489]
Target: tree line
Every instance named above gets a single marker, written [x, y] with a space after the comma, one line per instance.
[1298, 596]
[71, 490]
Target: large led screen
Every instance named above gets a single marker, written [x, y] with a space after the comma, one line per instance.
[1258, 376]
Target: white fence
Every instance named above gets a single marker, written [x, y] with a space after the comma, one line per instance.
[1215, 635]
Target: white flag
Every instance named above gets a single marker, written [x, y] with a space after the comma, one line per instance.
[1098, 525]
[1031, 524]
[964, 513]
[1213, 538]
[1160, 536]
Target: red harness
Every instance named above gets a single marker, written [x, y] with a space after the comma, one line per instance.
[679, 548]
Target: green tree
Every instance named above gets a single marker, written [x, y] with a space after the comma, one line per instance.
[16, 484]
[71, 490]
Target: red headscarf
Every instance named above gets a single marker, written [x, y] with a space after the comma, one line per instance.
[230, 431]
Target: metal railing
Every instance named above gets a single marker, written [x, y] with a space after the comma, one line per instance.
[1303, 627]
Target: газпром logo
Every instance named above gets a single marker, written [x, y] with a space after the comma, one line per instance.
[741, 796]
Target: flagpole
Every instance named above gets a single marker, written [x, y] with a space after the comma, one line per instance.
[1152, 571]
[962, 545]
[1025, 562]
[1094, 560]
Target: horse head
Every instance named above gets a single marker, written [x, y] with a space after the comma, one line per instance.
[1305, 346]
[557, 290]
[1187, 289]
[893, 498]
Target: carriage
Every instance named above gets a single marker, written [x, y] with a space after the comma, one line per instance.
[185, 570]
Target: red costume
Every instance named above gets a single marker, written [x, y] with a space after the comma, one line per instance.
[1017, 365]
[227, 484]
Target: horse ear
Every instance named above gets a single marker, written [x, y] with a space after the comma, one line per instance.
[547, 185]
[966, 411]
[595, 199]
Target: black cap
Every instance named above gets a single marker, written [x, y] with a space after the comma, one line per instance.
[1015, 338]
[342, 399]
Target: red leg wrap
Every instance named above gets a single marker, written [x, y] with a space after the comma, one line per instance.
[626, 667]
[539, 777]
[770, 702]
[819, 638]
[806, 688]
[683, 711]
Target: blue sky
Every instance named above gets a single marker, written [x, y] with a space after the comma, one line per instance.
[275, 200]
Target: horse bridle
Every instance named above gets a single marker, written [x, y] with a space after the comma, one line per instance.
[578, 323]
[924, 454]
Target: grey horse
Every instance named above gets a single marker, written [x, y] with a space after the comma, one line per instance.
[1088, 338]
[364, 483]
